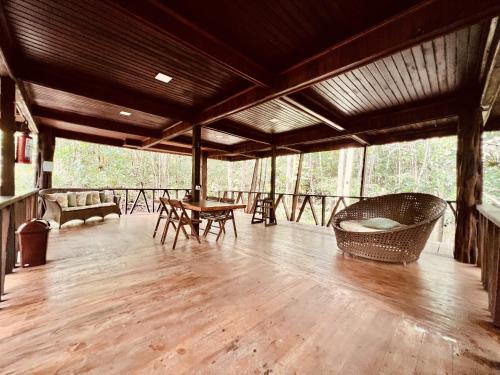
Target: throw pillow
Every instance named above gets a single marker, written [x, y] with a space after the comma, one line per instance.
[61, 198]
[381, 223]
[81, 198]
[95, 197]
[71, 199]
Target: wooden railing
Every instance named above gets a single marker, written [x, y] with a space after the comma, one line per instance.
[489, 256]
[14, 210]
[145, 197]
[329, 205]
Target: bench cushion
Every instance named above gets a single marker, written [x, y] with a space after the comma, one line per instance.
[89, 206]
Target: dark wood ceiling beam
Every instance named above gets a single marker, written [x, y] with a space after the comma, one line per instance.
[204, 144]
[239, 130]
[93, 122]
[163, 19]
[170, 132]
[91, 138]
[104, 91]
[317, 112]
[414, 113]
[9, 58]
[416, 25]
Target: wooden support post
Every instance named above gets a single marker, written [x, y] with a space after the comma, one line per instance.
[272, 194]
[469, 182]
[363, 168]
[253, 185]
[196, 167]
[204, 175]
[295, 198]
[46, 148]
[8, 128]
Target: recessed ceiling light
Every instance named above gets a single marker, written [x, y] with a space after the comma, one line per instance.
[163, 77]
[275, 120]
[125, 113]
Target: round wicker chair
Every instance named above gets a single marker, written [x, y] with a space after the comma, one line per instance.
[418, 212]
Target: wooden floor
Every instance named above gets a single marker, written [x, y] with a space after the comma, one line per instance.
[277, 300]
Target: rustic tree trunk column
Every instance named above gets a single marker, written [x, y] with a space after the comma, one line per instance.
[8, 127]
[195, 178]
[295, 198]
[469, 183]
[204, 175]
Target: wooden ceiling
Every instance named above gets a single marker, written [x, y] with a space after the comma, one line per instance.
[299, 75]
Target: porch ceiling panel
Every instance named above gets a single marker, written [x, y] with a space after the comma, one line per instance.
[100, 40]
[437, 67]
[60, 100]
[87, 130]
[280, 33]
[217, 137]
[274, 117]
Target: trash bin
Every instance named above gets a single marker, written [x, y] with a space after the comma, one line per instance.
[33, 236]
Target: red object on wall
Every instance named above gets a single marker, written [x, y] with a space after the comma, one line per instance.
[23, 149]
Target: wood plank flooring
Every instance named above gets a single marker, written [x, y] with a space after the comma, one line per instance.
[276, 300]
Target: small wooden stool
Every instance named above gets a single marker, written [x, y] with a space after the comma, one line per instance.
[264, 212]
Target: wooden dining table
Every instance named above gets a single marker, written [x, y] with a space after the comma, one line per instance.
[212, 206]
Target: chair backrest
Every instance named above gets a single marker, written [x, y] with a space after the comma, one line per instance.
[164, 203]
[226, 200]
[177, 204]
[212, 199]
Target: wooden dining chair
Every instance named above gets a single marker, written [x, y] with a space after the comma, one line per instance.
[220, 218]
[163, 213]
[178, 215]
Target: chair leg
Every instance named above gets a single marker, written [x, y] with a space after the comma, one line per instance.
[176, 235]
[157, 225]
[234, 224]
[195, 232]
[221, 229]
[207, 228]
[184, 231]
[165, 230]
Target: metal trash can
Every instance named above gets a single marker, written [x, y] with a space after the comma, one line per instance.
[33, 236]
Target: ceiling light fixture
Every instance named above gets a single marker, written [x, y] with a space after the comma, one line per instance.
[125, 113]
[163, 77]
[275, 120]
[219, 136]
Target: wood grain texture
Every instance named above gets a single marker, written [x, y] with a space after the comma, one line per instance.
[428, 70]
[112, 300]
[102, 41]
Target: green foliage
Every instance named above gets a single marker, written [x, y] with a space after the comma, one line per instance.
[423, 166]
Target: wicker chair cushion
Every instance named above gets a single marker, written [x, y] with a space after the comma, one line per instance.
[381, 223]
[356, 226]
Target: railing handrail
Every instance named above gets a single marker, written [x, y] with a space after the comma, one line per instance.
[308, 195]
[492, 213]
[8, 200]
